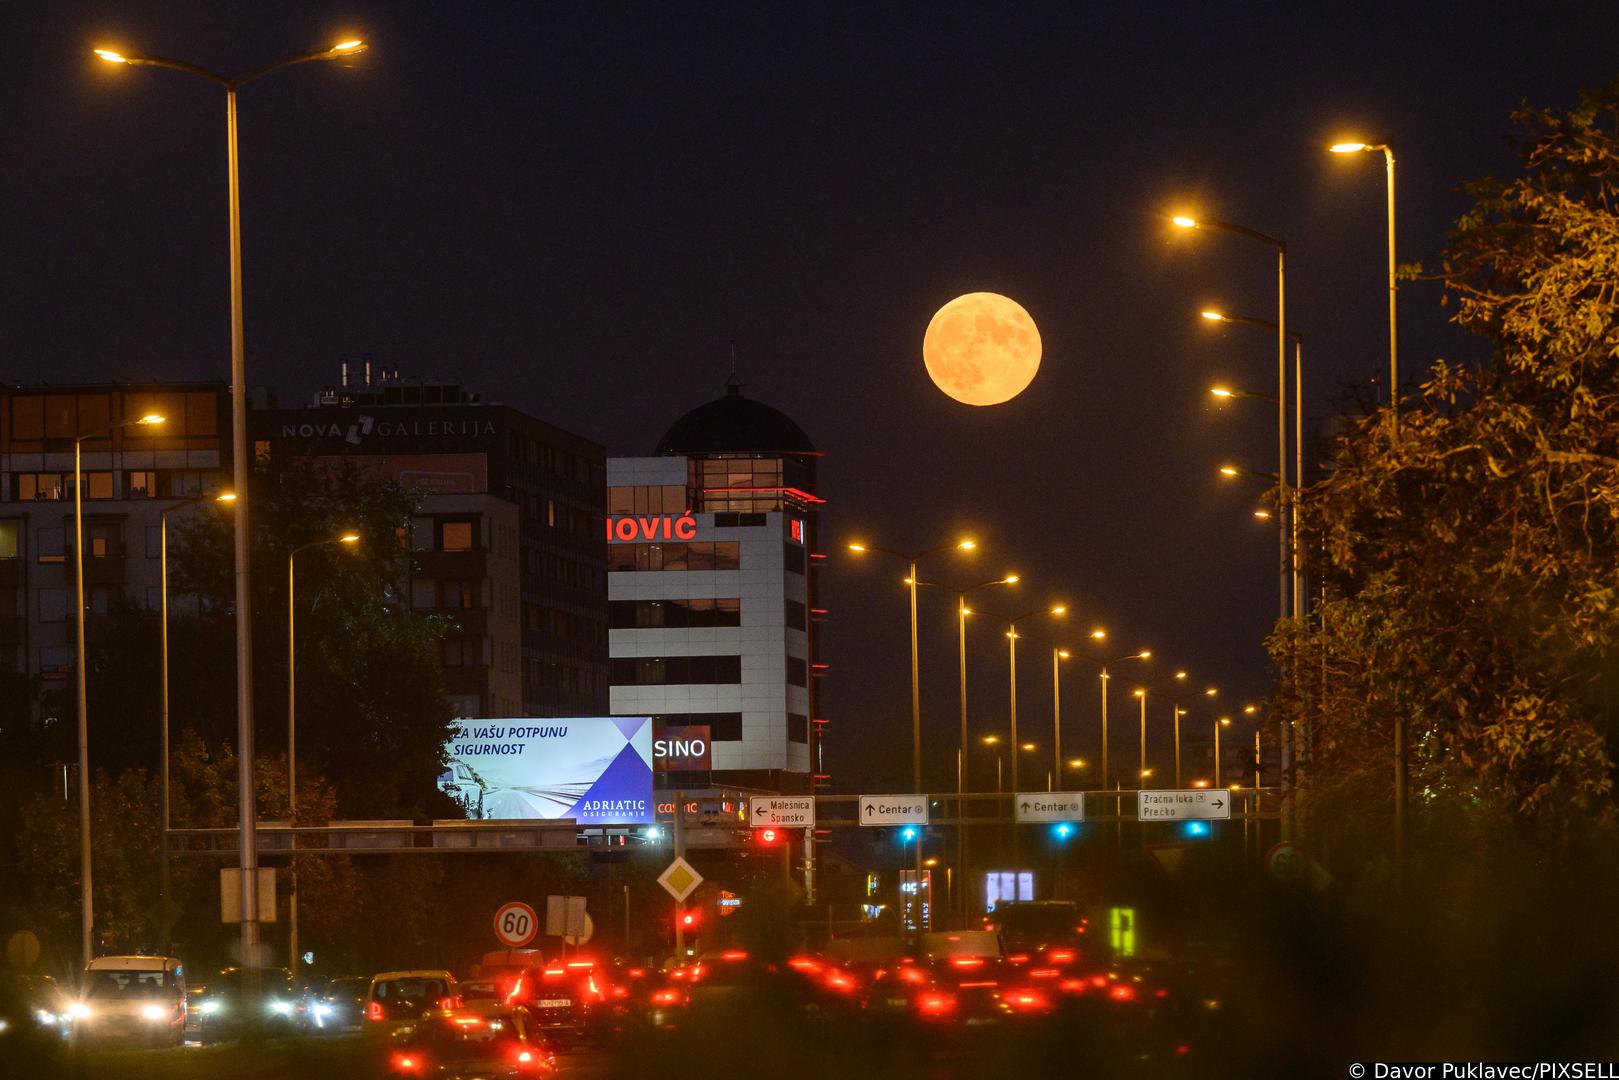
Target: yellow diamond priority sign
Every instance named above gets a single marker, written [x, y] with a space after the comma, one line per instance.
[679, 879]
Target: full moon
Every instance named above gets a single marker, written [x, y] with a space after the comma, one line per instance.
[982, 349]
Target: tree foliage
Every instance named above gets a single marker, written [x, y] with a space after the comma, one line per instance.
[1466, 554]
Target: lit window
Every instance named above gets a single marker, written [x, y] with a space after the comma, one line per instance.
[456, 536]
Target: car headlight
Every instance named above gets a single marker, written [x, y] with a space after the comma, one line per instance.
[154, 1012]
[45, 1016]
[78, 1011]
[281, 1008]
[208, 1008]
[323, 1009]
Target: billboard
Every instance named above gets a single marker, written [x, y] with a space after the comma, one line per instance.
[596, 770]
[681, 749]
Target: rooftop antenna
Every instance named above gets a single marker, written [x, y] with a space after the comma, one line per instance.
[733, 385]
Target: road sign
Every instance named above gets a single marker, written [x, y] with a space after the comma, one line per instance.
[230, 894]
[1285, 861]
[1049, 806]
[516, 924]
[679, 879]
[893, 809]
[793, 813]
[587, 927]
[564, 916]
[1185, 804]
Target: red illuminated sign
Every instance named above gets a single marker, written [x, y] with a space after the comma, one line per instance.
[627, 530]
[795, 530]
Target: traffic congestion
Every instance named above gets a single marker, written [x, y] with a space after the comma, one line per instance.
[937, 999]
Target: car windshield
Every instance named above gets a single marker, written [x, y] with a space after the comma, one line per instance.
[482, 990]
[124, 984]
[486, 1035]
[413, 989]
[981, 943]
[347, 988]
[1057, 917]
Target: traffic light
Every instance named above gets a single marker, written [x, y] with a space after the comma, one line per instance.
[1195, 829]
[1062, 831]
[909, 833]
[769, 836]
[687, 919]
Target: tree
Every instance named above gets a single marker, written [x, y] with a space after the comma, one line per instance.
[1466, 552]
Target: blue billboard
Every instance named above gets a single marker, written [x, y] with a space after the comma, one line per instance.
[596, 770]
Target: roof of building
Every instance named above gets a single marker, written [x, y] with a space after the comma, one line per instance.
[735, 424]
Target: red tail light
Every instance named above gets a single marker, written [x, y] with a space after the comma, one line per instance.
[805, 964]
[913, 976]
[1072, 986]
[1122, 992]
[373, 1011]
[1019, 958]
[1044, 973]
[733, 956]
[840, 982]
[665, 997]
[967, 962]
[935, 1004]
[1060, 956]
[407, 1063]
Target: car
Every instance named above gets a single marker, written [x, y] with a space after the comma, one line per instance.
[395, 999]
[1039, 932]
[476, 990]
[967, 968]
[131, 999]
[559, 998]
[338, 1007]
[220, 1010]
[486, 1041]
[463, 784]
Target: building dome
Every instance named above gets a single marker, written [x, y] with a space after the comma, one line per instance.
[734, 424]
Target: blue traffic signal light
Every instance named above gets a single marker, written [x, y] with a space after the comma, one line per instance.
[909, 833]
[1194, 829]
[1062, 830]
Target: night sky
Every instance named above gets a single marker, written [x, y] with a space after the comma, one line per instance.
[577, 209]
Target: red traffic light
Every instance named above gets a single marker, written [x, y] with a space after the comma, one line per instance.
[686, 919]
[768, 837]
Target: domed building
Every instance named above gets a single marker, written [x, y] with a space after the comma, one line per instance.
[711, 593]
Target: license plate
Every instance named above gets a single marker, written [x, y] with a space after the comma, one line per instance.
[556, 1003]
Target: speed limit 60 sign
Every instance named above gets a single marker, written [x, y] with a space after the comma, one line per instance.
[516, 925]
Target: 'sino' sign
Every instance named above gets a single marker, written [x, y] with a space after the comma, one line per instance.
[681, 749]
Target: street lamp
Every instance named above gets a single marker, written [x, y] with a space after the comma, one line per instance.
[1393, 282]
[1280, 247]
[1224, 721]
[1058, 655]
[240, 465]
[86, 903]
[962, 611]
[224, 498]
[1180, 712]
[995, 741]
[911, 581]
[1141, 696]
[1054, 610]
[350, 539]
[1103, 676]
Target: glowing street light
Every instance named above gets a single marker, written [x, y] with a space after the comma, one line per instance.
[247, 813]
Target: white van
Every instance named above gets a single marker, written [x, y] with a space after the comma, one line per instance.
[131, 998]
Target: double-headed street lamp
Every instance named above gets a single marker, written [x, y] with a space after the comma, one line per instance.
[348, 538]
[913, 583]
[1103, 677]
[1141, 696]
[1210, 692]
[225, 498]
[86, 902]
[240, 464]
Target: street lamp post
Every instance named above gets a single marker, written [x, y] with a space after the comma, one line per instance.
[1143, 654]
[1057, 610]
[1401, 780]
[240, 464]
[1280, 247]
[292, 733]
[913, 583]
[1224, 721]
[995, 741]
[1180, 712]
[224, 498]
[1141, 696]
[86, 901]
[962, 611]
[1058, 655]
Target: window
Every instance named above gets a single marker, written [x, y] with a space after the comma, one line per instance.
[793, 557]
[796, 619]
[462, 652]
[8, 539]
[455, 536]
[649, 614]
[187, 483]
[676, 670]
[103, 540]
[457, 595]
[55, 660]
[797, 671]
[140, 485]
[52, 605]
[49, 544]
[550, 513]
[38, 487]
[797, 727]
[98, 485]
[423, 594]
[698, 555]
[722, 726]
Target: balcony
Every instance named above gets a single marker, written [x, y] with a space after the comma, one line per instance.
[462, 565]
